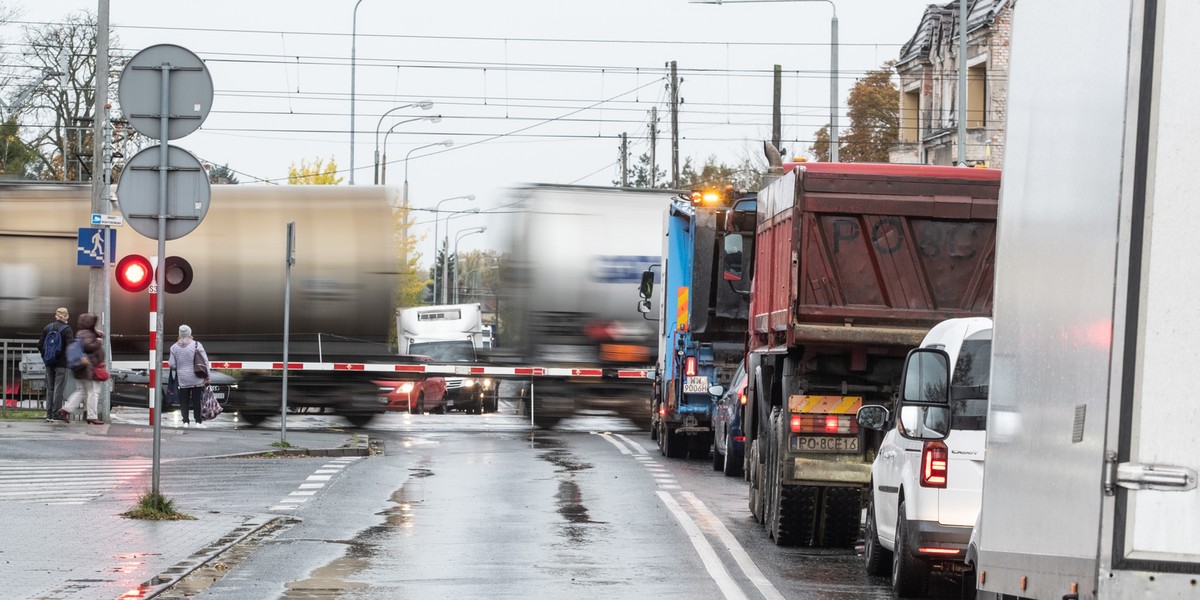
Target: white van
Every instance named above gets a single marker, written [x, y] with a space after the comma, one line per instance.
[925, 493]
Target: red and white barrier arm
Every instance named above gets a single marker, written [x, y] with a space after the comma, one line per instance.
[452, 370]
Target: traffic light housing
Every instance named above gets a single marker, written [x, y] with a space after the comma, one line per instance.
[135, 273]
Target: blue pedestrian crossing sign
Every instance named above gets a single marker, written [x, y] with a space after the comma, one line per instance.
[92, 246]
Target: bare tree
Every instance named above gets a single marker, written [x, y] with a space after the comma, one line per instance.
[59, 117]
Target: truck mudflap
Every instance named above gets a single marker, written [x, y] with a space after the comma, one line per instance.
[829, 470]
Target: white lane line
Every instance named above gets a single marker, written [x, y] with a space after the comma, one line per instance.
[747, 565]
[708, 556]
[311, 486]
[636, 446]
[320, 477]
[619, 445]
[303, 493]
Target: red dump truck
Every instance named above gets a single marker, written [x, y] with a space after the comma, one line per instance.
[851, 266]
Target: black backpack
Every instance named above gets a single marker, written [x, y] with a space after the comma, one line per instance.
[52, 346]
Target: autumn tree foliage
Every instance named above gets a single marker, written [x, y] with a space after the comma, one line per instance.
[874, 111]
[315, 173]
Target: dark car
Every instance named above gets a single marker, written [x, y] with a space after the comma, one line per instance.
[129, 388]
[729, 443]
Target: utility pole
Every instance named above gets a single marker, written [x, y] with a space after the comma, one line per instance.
[962, 83]
[98, 293]
[624, 160]
[653, 143]
[776, 110]
[674, 127]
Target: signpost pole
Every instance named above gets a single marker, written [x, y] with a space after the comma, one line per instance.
[290, 259]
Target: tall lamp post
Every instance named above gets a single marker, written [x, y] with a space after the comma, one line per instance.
[461, 234]
[446, 143]
[437, 216]
[446, 258]
[833, 66]
[423, 105]
[383, 163]
[353, 60]
[479, 269]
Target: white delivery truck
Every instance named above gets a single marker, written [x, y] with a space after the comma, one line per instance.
[449, 333]
[1089, 486]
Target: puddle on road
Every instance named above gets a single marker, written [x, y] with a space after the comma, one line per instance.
[333, 579]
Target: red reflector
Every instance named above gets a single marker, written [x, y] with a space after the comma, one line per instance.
[739, 438]
[946, 551]
[831, 423]
[796, 423]
[934, 462]
[690, 366]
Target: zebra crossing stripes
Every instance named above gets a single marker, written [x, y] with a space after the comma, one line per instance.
[66, 482]
[313, 484]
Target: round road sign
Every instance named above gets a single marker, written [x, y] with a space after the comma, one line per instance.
[188, 192]
[189, 91]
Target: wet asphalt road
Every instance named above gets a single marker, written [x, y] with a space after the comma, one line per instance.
[470, 506]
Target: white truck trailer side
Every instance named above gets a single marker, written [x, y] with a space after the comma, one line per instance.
[1090, 479]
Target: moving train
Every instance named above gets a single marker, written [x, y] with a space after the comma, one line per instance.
[342, 284]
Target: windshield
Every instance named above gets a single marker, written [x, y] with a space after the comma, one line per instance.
[451, 351]
[969, 385]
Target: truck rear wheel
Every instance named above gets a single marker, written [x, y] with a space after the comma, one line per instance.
[841, 513]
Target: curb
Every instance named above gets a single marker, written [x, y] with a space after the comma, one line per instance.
[166, 580]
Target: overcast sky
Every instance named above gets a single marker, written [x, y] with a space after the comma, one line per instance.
[528, 90]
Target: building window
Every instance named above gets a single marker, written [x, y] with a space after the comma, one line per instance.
[910, 120]
[977, 96]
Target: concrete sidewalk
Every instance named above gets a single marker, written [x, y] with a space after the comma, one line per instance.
[90, 550]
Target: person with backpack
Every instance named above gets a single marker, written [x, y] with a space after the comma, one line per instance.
[191, 365]
[91, 342]
[53, 348]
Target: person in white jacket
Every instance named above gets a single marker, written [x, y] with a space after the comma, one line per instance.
[186, 355]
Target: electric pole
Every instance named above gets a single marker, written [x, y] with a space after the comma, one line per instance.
[653, 143]
[674, 127]
[776, 110]
[624, 160]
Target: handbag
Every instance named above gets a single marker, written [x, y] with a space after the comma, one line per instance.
[100, 372]
[209, 407]
[198, 363]
[171, 391]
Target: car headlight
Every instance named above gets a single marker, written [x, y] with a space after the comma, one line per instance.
[487, 384]
[405, 387]
[468, 383]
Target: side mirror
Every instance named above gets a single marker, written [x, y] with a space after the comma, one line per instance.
[873, 416]
[646, 287]
[732, 268]
[925, 395]
[716, 390]
[643, 306]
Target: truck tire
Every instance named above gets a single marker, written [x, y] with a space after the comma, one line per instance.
[734, 462]
[876, 558]
[755, 479]
[791, 509]
[910, 575]
[674, 446]
[841, 513]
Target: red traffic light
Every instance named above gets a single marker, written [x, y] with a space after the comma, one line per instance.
[134, 273]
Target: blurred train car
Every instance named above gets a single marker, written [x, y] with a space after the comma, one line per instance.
[342, 284]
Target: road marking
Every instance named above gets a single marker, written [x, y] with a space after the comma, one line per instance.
[740, 556]
[608, 438]
[313, 483]
[712, 563]
[66, 482]
[636, 446]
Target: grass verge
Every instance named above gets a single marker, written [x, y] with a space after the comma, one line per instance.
[156, 507]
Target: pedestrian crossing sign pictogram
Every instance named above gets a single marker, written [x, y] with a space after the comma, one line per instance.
[91, 248]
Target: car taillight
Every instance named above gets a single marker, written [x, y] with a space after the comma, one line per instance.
[689, 366]
[824, 424]
[742, 398]
[934, 462]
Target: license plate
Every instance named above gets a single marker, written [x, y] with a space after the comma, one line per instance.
[696, 384]
[219, 395]
[824, 444]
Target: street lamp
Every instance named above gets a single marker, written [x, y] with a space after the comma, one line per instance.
[353, 52]
[833, 66]
[437, 216]
[446, 143]
[446, 257]
[423, 105]
[383, 163]
[461, 234]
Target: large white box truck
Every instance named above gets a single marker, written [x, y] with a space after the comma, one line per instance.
[1089, 486]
